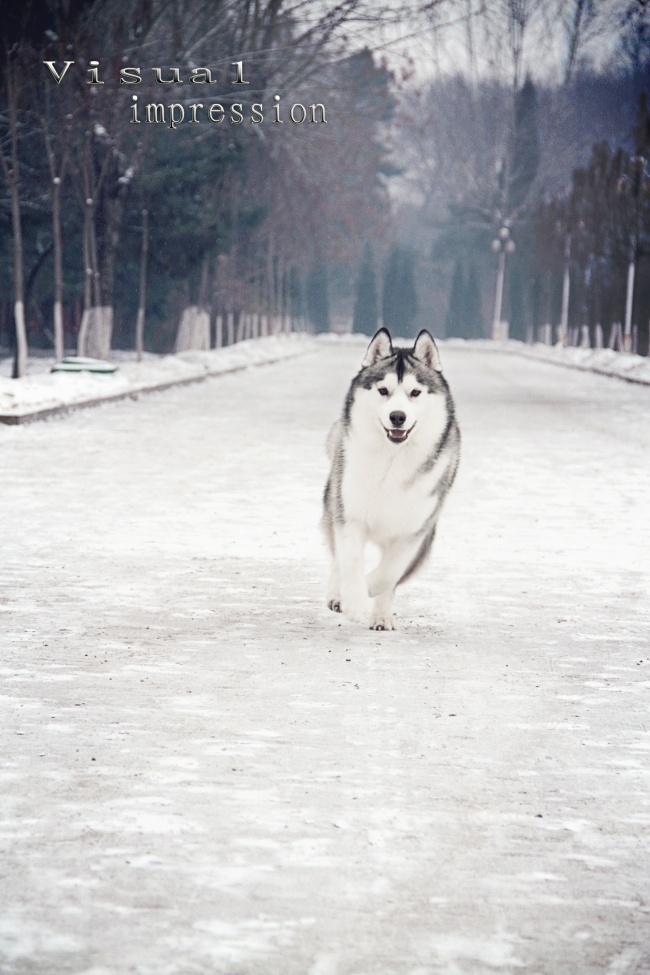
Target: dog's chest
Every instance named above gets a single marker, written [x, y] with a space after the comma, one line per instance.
[386, 492]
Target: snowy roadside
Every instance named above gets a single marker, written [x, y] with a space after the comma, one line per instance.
[604, 362]
[44, 393]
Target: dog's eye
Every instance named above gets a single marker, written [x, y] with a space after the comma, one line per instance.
[383, 391]
[415, 392]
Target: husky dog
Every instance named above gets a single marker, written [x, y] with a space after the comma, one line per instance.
[394, 455]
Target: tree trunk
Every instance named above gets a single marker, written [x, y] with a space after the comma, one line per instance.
[88, 278]
[99, 332]
[59, 350]
[139, 325]
[57, 183]
[13, 179]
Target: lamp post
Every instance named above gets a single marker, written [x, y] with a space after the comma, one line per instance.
[502, 244]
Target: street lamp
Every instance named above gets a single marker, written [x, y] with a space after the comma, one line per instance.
[502, 244]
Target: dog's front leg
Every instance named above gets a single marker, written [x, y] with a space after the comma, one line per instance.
[350, 544]
[382, 616]
[396, 557]
[334, 588]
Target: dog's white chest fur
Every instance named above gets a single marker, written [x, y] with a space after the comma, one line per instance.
[383, 487]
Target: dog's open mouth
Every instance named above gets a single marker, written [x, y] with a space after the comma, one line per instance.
[397, 434]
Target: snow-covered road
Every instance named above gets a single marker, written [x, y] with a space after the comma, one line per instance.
[204, 772]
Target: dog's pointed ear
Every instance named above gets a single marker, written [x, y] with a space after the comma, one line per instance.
[426, 350]
[380, 347]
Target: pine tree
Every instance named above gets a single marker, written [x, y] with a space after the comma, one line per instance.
[390, 297]
[296, 299]
[524, 152]
[517, 313]
[642, 143]
[473, 305]
[366, 311]
[456, 320]
[399, 298]
[318, 297]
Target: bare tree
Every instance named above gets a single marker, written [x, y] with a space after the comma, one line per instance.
[58, 158]
[576, 17]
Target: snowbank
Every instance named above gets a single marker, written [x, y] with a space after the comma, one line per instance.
[606, 362]
[43, 393]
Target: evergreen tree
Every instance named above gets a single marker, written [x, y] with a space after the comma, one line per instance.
[473, 305]
[524, 152]
[318, 297]
[296, 299]
[642, 316]
[517, 328]
[399, 298]
[390, 294]
[456, 320]
[366, 311]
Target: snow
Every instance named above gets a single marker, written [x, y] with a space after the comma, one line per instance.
[43, 390]
[205, 771]
[606, 362]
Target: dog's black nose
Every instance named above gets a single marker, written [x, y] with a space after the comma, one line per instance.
[397, 418]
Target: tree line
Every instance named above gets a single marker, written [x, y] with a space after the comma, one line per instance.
[580, 268]
[151, 164]
[558, 165]
[105, 215]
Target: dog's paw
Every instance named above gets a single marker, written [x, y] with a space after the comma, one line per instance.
[382, 621]
[357, 611]
[334, 605]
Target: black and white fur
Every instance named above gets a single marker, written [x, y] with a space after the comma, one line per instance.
[394, 455]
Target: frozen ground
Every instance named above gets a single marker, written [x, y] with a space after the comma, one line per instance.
[204, 772]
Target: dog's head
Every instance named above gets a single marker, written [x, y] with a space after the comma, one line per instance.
[399, 388]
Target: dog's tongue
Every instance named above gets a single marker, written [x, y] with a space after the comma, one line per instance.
[397, 434]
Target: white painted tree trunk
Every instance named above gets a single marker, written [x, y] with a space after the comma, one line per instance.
[497, 330]
[193, 330]
[95, 332]
[59, 350]
[629, 301]
[139, 334]
[21, 339]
